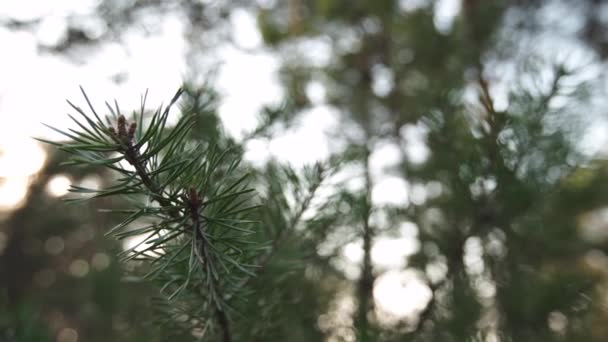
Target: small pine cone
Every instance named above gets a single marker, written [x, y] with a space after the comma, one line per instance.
[122, 127]
[131, 133]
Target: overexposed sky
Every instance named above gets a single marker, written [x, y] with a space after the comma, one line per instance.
[34, 85]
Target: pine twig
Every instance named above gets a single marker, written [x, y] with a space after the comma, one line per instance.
[283, 234]
[169, 173]
[125, 138]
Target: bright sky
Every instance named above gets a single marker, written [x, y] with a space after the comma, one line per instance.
[34, 86]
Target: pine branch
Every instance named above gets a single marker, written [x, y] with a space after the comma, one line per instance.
[201, 249]
[283, 234]
[297, 216]
[192, 208]
[205, 259]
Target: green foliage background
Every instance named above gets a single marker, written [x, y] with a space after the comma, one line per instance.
[510, 226]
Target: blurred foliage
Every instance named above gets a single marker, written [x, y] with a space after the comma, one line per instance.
[57, 268]
[511, 225]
